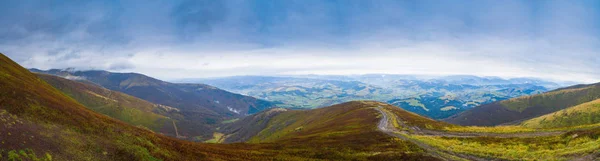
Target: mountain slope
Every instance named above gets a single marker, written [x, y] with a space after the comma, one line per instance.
[527, 107]
[351, 126]
[583, 114]
[135, 111]
[201, 105]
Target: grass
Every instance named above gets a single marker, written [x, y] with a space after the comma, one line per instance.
[540, 148]
[217, 138]
[230, 121]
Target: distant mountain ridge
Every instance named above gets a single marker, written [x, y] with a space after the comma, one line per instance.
[516, 110]
[434, 97]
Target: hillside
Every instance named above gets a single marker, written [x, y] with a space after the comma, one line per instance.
[242, 130]
[515, 110]
[129, 109]
[350, 125]
[202, 106]
[583, 114]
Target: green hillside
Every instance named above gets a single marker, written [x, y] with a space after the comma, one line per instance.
[201, 107]
[583, 114]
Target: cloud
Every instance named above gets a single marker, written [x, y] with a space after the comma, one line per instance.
[176, 39]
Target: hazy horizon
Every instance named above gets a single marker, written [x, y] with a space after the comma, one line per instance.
[551, 40]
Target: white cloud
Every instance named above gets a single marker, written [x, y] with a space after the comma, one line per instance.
[549, 39]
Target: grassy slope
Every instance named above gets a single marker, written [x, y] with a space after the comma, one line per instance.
[583, 114]
[202, 106]
[117, 105]
[527, 107]
[351, 127]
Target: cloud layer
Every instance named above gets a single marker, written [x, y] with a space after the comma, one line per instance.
[206, 38]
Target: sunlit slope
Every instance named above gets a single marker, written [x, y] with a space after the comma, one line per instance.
[519, 109]
[350, 126]
[583, 114]
[117, 105]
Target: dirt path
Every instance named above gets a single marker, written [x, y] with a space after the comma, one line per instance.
[427, 132]
[176, 132]
[385, 127]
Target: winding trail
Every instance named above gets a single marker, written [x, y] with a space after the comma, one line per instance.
[385, 127]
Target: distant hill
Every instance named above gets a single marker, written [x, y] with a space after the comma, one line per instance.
[515, 110]
[436, 98]
[583, 114]
[292, 92]
[202, 106]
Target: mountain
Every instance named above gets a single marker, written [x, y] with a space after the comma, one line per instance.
[292, 92]
[129, 109]
[515, 110]
[350, 126]
[202, 106]
[583, 114]
[436, 98]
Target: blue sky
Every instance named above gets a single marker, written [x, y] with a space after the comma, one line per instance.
[555, 40]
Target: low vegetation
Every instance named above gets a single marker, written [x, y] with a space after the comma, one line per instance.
[129, 109]
[562, 147]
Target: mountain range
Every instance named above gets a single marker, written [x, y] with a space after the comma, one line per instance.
[200, 108]
[90, 117]
[434, 97]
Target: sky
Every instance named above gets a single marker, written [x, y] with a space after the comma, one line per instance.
[172, 39]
